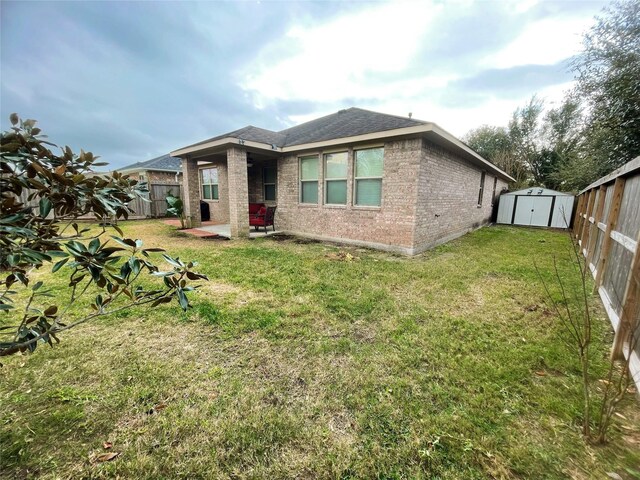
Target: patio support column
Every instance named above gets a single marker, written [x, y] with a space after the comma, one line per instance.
[238, 192]
[191, 189]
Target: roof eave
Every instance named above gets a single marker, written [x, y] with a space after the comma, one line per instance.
[232, 141]
[127, 170]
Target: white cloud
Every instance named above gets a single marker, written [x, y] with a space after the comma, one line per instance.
[370, 56]
[545, 42]
[340, 58]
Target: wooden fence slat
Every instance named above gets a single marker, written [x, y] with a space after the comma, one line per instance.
[630, 303]
[597, 218]
[584, 238]
[614, 211]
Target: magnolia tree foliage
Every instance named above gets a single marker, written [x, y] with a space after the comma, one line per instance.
[111, 271]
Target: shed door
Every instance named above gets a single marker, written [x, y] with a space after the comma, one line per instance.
[533, 211]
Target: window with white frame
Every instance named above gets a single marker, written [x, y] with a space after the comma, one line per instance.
[269, 176]
[209, 181]
[369, 168]
[309, 179]
[335, 178]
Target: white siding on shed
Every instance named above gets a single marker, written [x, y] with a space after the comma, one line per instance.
[536, 207]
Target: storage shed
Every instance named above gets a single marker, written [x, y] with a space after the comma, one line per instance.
[536, 207]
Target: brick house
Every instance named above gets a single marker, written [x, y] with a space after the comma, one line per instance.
[165, 169]
[355, 176]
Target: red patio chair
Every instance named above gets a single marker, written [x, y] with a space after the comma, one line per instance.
[264, 218]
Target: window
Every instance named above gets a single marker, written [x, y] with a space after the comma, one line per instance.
[368, 177]
[481, 192]
[269, 175]
[309, 179]
[335, 178]
[209, 180]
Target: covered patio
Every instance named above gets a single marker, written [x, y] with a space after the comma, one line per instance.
[230, 181]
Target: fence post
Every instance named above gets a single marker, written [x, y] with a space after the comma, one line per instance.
[597, 217]
[630, 306]
[614, 211]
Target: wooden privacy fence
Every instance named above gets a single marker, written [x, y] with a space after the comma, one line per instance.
[155, 204]
[607, 227]
[157, 195]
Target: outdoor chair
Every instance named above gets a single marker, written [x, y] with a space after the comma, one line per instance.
[263, 218]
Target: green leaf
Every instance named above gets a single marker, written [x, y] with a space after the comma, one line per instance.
[125, 242]
[94, 245]
[182, 299]
[59, 265]
[175, 262]
[45, 206]
[14, 118]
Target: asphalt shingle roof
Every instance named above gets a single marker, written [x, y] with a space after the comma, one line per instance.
[345, 123]
[165, 162]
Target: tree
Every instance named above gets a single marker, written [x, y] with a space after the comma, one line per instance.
[109, 271]
[494, 144]
[607, 73]
[524, 132]
[560, 154]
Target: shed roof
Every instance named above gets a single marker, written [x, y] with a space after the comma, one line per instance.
[538, 191]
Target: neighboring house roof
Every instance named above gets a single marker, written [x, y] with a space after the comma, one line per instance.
[165, 163]
[345, 126]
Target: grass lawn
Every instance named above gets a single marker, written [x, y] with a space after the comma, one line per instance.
[299, 361]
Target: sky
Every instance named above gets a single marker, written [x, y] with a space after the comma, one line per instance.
[131, 81]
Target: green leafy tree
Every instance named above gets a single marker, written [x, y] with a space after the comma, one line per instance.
[494, 144]
[42, 194]
[608, 73]
[524, 132]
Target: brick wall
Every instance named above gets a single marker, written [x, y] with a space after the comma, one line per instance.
[389, 226]
[256, 188]
[238, 191]
[191, 188]
[447, 204]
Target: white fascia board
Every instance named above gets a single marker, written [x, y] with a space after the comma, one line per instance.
[232, 141]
